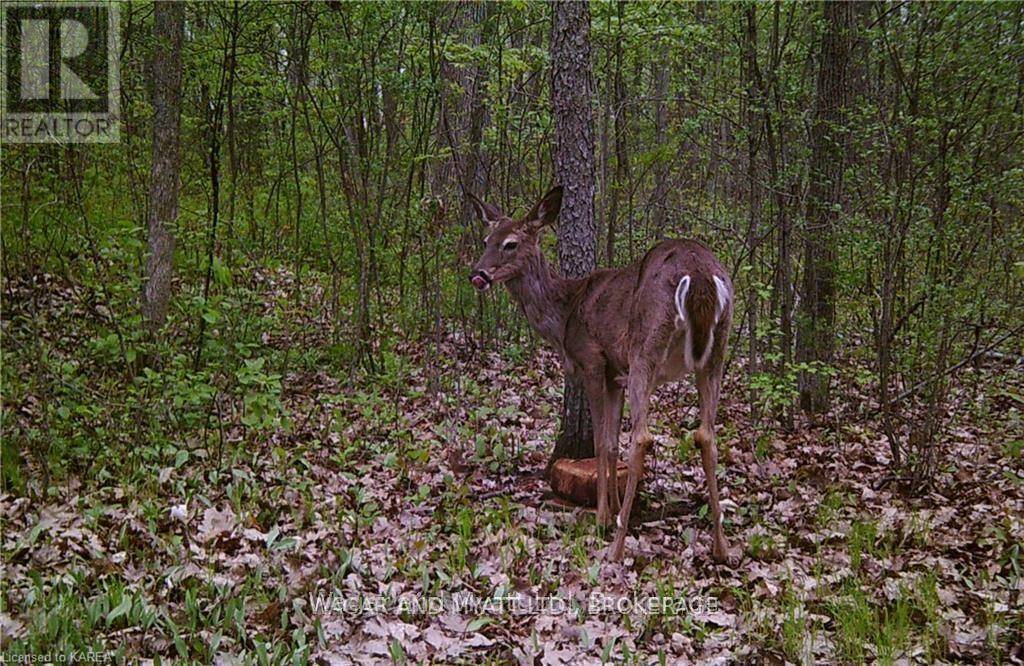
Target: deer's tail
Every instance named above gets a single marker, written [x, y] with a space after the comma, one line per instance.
[700, 303]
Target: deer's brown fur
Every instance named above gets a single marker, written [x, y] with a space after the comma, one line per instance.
[621, 329]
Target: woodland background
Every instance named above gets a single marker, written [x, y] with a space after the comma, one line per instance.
[243, 364]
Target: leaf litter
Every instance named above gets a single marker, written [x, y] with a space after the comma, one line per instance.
[381, 497]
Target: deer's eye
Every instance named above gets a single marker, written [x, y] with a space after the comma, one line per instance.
[509, 246]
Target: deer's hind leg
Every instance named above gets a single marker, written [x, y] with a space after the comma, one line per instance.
[597, 399]
[709, 382]
[613, 425]
[639, 442]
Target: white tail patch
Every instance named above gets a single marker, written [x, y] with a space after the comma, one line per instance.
[723, 296]
[681, 289]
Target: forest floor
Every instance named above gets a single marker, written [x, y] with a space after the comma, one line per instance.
[406, 519]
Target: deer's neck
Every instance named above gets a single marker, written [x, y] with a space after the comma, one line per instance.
[544, 296]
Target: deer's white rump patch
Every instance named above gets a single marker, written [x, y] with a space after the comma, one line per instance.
[681, 289]
[723, 295]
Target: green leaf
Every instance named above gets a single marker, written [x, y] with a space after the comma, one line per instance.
[397, 652]
[284, 544]
[221, 273]
[179, 645]
[36, 530]
[122, 609]
[606, 654]
[478, 624]
[1007, 393]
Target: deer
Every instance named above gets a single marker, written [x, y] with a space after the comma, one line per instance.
[621, 331]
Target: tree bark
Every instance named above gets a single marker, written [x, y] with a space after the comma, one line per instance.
[661, 76]
[621, 154]
[571, 93]
[474, 176]
[753, 124]
[775, 135]
[815, 341]
[168, 26]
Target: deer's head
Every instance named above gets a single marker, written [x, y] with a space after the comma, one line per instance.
[509, 243]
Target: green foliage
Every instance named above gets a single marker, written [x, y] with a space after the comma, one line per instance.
[778, 390]
[342, 239]
[262, 395]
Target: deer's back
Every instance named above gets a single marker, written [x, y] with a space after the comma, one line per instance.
[617, 310]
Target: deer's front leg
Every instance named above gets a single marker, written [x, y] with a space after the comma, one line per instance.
[594, 387]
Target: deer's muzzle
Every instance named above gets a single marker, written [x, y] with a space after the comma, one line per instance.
[482, 281]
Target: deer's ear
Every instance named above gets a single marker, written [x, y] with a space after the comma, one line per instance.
[489, 214]
[546, 210]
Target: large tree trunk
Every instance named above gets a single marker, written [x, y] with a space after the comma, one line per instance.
[168, 26]
[474, 176]
[574, 170]
[815, 339]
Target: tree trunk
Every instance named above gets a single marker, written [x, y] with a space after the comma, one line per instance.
[753, 123]
[168, 26]
[621, 155]
[661, 75]
[815, 340]
[775, 135]
[474, 176]
[231, 136]
[574, 170]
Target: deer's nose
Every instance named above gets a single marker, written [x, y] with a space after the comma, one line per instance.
[480, 280]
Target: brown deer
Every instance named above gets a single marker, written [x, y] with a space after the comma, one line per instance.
[635, 328]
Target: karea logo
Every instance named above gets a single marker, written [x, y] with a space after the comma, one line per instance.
[60, 72]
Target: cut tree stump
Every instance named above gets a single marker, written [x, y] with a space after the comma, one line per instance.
[576, 480]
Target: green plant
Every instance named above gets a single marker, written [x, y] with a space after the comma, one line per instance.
[862, 539]
[261, 395]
